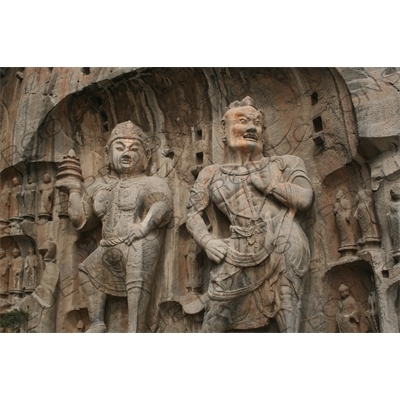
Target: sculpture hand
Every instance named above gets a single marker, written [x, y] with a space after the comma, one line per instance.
[67, 184]
[216, 250]
[262, 180]
[136, 232]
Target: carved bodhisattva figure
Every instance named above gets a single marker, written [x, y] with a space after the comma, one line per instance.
[4, 272]
[46, 198]
[133, 208]
[394, 221]
[31, 272]
[16, 198]
[29, 199]
[256, 273]
[348, 315]
[16, 270]
[345, 221]
[5, 203]
[366, 217]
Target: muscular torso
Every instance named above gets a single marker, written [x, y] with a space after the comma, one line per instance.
[119, 204]
[235, 195]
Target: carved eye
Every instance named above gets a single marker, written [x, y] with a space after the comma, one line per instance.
[119, 148]
[257, 123]
[243, 121]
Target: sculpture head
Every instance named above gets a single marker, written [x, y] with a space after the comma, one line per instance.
[15, 253]
[30, 180]
[46, 178]
[15, 181]
[126, 151]
[2, 254]
[242, 127]
[30, 251]
[339, 194]
[80, 326]
[344, 291]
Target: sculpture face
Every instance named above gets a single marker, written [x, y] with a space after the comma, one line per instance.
[46, 178]
[128, 156]
[2, 254]
[243, 128]
[15, 253]
[15, 181]
[344, 292]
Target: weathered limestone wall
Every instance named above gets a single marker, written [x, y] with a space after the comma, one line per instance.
[343, 123]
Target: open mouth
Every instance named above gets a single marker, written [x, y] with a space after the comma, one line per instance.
[126, 161]
[250, 136]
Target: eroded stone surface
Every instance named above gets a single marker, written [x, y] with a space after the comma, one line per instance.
[307, 178]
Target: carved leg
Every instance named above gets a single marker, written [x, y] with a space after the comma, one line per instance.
[96, 301]
[287, 318]
[138, 301]
[216, 318]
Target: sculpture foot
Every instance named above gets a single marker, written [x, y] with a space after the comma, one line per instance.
[98, 327]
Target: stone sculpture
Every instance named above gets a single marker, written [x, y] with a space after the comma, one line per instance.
[5, 203]
[29, 199]
[256, 272]
[348, 315]
[134, 209]
[15, 198]
[80, 326]
[16, 270]
[394, 221]
[366, 217]
[345, 223]
[46, 199]
[31, 271]
[372, 314]
[4, 272]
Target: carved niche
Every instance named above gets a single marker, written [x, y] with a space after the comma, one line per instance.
[236, 199]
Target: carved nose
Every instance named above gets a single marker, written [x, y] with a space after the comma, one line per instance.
[251, 128]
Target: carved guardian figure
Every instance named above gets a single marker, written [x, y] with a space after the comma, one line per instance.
[257, 272]
[134, 209]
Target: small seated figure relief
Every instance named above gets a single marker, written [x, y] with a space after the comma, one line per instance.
[46, 198]
[15, 271]
[348, 315]
[367, 220]
[134, 209]
[393, 217]
[16, 199]
[346, 224]
[4, 272]
[31, 271]
[29, 199]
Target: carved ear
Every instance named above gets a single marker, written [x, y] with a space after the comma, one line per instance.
[223, 125]
[106, 150]
[223, 129]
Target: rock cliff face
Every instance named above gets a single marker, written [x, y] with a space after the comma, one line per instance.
[168, 224]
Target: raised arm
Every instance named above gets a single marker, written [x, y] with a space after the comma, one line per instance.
[286, 179]
[158, 201]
